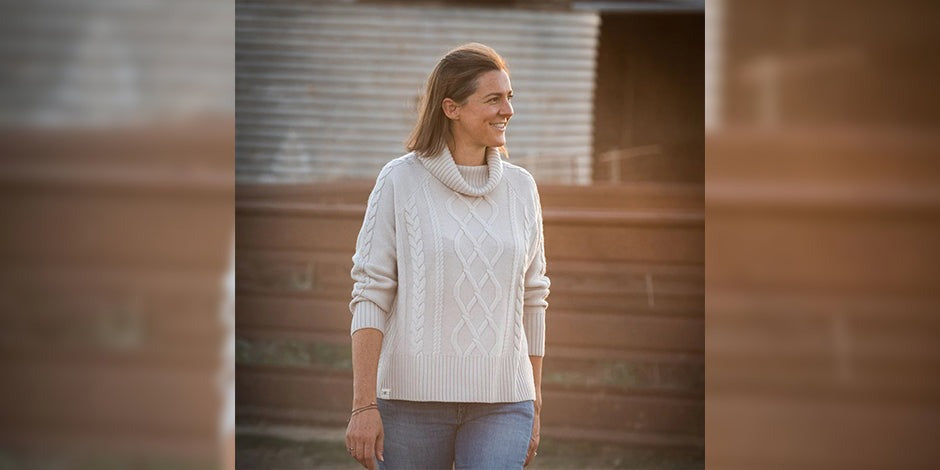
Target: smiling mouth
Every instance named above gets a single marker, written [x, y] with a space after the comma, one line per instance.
[499, 126]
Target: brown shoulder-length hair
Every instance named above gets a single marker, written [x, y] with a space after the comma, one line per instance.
[454, 77]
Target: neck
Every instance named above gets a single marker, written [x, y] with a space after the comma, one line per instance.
[467, 155]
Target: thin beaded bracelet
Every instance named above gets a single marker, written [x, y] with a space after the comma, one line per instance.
[363, 408]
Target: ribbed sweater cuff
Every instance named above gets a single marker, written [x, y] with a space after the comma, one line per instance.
[367, 315]
[533, 321]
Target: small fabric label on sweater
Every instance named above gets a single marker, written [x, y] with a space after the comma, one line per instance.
[385, 393]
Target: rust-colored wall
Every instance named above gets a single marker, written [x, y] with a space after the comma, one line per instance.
[822, 261]
[625, 329]
[114, 248]
[822, 306]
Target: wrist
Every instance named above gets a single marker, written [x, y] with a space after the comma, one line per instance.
[360, 402]
[362, 409]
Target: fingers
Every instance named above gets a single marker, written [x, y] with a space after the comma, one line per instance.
[365, 440]
[350, 445]
[369, 457]
[380, 447]
[533, 450]
[362, 450]
[529, 454]
[363, 454]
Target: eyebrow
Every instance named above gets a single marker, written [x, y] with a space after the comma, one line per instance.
[497, 94]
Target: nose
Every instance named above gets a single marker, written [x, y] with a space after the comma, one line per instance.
[506, 109]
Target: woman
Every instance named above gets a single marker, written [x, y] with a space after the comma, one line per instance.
[449, 299]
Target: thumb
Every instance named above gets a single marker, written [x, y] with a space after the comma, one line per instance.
[380, 446]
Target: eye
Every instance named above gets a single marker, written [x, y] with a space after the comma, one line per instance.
[492, 100]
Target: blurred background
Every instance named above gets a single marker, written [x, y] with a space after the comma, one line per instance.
[821, 245]
[608, 118]
[820, 186]
[116, 252]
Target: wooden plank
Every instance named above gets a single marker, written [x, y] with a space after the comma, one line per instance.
[125, 397]
[577, 285]
[623, 413]
[627, 332]
[639, 304]
[319, 273]
[609, 303]
[641, 374]
[630, 236]
[293, 388]
[297, 388]
[296, 233]
[166, 144]
[182, 356]
[779, 432]
[825, 343]
[826, 251]
[292, 313]
[103, 229]
[695, 360]
[580, 285]
[90, 442]
[563, 329]
[645, 244]
[643, 196]
[585, 370]
[807, 155]
[110, 307]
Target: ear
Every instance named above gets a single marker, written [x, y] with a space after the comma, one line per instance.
[451, 109]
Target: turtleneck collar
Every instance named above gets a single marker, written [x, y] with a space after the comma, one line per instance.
[445, 169]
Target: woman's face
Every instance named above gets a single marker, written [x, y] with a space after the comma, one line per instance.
[481, 121]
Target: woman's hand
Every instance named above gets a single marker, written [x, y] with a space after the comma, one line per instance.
[534, 440]
[365, 438]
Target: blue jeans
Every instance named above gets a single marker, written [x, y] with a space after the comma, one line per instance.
[436, 435]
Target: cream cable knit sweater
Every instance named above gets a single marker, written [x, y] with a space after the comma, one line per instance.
[450, 266]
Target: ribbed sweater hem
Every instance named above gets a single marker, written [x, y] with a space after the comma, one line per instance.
[478, 379]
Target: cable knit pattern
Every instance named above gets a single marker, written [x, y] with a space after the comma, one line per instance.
[460, 289]
[375, 274]
[416, 246]
[478, 251]
[517, 260]
[439, 271]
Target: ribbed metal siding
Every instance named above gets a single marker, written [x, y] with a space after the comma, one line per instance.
[114, 62]
[327, 91]
[714, 25]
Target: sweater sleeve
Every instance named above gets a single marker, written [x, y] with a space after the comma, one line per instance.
[536, 289]
[375, 272]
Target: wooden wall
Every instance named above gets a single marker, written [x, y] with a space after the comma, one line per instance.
[113, 251]
[822, 265]
[822, 238]
[625, 332]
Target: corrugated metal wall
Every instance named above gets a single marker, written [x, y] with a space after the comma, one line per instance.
[106, 62]
[714, 25]
[327, 91]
